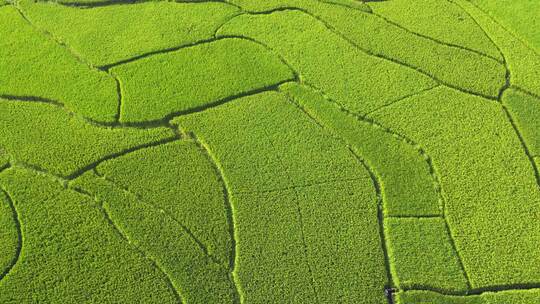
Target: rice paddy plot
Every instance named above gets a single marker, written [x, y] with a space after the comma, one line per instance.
[280, 151]
[109, 35]
[35, 67]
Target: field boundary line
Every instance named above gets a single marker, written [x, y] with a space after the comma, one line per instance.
[229, 209]
[417, 147]
[302, 186]
[440, 190]
[436, 40]
[300, 218]
[18, 228]
[106, 3]
[108, 67]
[480, 291]
[377, 191]
[496, 22]
[104, 125]
[74, 54]
[403, 98]
[434, 175]
[389, 288]
[524, 91]
[346, 5]
[35, 169]
[186, 230]
[372, 54]
[165, 120]
[5, 167]
[111, 156]
[508, 85]
[524, 146]
[99, 206]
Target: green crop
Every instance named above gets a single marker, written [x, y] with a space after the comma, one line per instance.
[412, 242]
[408, 189]
[46, 136]
[71, 228]
[278, 151]
[452, 66]
[526, 112]
[522, 62]
[477, 73]
[9, 233]
[523, 21]
[4, 160]
[333, 69]
[192, 274]
[170, 187]
[36, 67]
[453, 27]
[130, 30]
[170, 84]
[290, 206]
[500, 297]
[478, 163]
[311, 6]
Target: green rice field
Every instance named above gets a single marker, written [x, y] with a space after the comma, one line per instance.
[270, 151]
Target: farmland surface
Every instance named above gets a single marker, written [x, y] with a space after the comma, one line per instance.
[276, 151]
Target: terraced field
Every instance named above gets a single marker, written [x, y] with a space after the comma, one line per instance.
[277, 151]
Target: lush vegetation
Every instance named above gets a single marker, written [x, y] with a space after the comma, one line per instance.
[170, 84]
[34, 66]
[279, 151]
